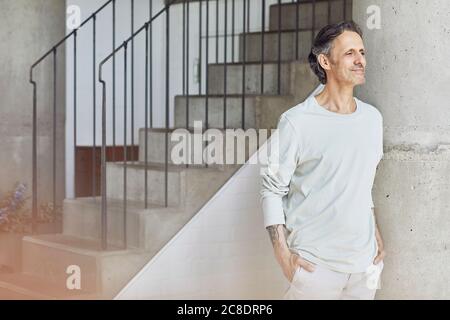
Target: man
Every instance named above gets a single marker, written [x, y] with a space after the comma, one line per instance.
[316, 192]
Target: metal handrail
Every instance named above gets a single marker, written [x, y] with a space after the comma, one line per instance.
[123, 46]
[92, 16]
[53, 51]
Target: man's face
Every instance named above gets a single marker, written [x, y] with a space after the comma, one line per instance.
[347, 61]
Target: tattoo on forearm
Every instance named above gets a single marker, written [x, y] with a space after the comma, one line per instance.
[273, 233]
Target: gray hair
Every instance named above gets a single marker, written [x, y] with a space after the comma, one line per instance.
[323, 43]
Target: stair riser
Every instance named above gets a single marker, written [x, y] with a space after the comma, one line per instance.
[305, 20]
[197, 151]
[197, 111]
[100, 273]
[252, 79]
[287, 48]
[146, 229]
[260, 112]
[188, 189]
[52, 263]
[84, 221]
[136, 185]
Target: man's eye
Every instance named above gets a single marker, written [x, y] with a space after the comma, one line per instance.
[363, 53]
[349, 53]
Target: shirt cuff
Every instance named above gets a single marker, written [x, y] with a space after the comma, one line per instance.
[273, 211]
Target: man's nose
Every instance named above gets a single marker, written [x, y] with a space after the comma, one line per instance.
[360, 60]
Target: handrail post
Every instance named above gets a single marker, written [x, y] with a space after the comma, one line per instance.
[166, 191]
[34, 158]
[225, 66]
[244, 59]
[146, 120]
[104, 226]
[132, 82]
[125, 147]
[75, 113]
[94, 102]
[114, 82]
[263, 31]
[54, 127]
[279, 50]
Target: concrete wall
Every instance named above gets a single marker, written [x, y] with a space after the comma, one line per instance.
[408, 81]
[28, 29]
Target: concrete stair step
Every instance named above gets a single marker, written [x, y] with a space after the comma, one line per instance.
[235, 73]
[147, 229]
[135, 189]
[102, 272]
[188, 188]
[189, 146]
[20, 286]
[261, 111]
[82, 218]
[287, 47]
[258, 109]
[326, 12]
[197, 110]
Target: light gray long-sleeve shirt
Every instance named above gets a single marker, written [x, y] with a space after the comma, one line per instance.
[319, 183]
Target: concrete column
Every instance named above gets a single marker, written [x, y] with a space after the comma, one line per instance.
[28, 28]
[408, 80]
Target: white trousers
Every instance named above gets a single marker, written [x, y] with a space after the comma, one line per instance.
[325, 284]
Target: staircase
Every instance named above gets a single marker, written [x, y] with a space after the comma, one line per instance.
[103, 273]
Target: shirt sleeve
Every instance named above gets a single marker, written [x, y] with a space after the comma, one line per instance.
[282, 162]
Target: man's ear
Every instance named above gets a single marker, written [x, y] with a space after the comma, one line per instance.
[324, 61]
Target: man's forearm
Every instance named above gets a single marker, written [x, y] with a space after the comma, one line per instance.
[381, 252]
[277, 235]
[377, 230]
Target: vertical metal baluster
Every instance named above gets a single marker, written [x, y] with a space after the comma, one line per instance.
[146, 118]
[187, 65]
[279, 49]
[244, 59]
[94, 99]
[248, 16]
[104, 224]
[114, 82]
[328, 12]
[345, 10]
[54, 125]
[297, 6]
[225, 67]
[313, 33]
[125, 151]
[233, 31]
[263, 31]
[132, 83]
[151, 66]
[217, 31]
[166, 176]
[207, 71]
[184, 53]
[75, 112]
[200, 48]
[34, 158]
